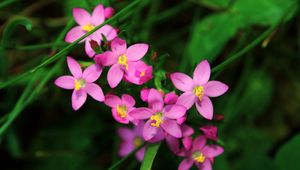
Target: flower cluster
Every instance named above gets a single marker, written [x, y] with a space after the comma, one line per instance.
[165, 117]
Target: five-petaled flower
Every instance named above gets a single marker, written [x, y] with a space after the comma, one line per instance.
[161, 119]
[130, 140]
[121, 58]
[81, 82]
[87, 23]
[121, 107]
[200, 154]
[199, 89]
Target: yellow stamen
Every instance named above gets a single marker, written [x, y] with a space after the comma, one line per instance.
[199, 157]
[142, 74]
[122, 111]
[88, 27]
[123, 61]
[199, 92]
[158, 120]
[137, 141]
[80, 83]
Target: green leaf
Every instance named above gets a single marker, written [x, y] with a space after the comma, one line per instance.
[288, 155]
[210, 35]
[149, 156]
[266, 12]
[214, 4]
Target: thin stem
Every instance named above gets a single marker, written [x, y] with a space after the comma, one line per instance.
[38, 46]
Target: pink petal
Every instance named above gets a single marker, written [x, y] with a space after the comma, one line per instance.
[215, 88]
[158, 137]
[94, 91]
[155, 100]
[144, 94]
[118, 46]
[78, 98]
[187, 142]
[202, 73]
[108, 31]
[92, 73]
[212, 150]
[205, 107]
[65, 82]
[112, 100]
[107, 58]
[126, 134]
[170, 98]
[140, 154]
[88, 49]
[119, 119]
[114, 75]
[126, 148]
[149, 131]
[136, 51]
[187, 99]
[174, 111]
[172, 128]
[109, 12]
[81, 16]
[141, 113]
[182, 119]
[74, 34]
[182, 82]
[199, 143]
[74, 67]
[128, 100]
[173, 143]
[206, 165]
[98, 15]
[186, 164]
[187, 130]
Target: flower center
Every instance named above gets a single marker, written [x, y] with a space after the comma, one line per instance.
[137, 141]
[122, 111]
[199, 91]
[157, 119]
[198, 157]
[88, 27]
[142, 74]
[80, 83]
[123, 61]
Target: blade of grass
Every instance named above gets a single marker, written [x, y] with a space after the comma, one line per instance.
[114, 166]
[150, 154]
[70, 46]
[38, 46]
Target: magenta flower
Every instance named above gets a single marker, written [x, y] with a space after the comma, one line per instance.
[200, 154]
[210, 132]
[121, 58]
[121, 107]
[130, 140]
[87, 23]
[139, 73]
[161, 119]
[82, 83]
[109, 12]
[199, 89]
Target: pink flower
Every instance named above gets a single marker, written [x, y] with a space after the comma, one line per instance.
[139, 73]
[199, 89]
[87, 23]
[169, 98]
[210, 132]
[160, 118]
[121, 58]
[109, 12]
[130, 140]
[200, 154]
[121, 107]
[82, 83]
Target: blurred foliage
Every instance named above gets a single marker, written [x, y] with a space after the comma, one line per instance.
[261, 123]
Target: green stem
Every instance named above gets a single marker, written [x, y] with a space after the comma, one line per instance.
[38, 46]
[70, 46]
[5, 3]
